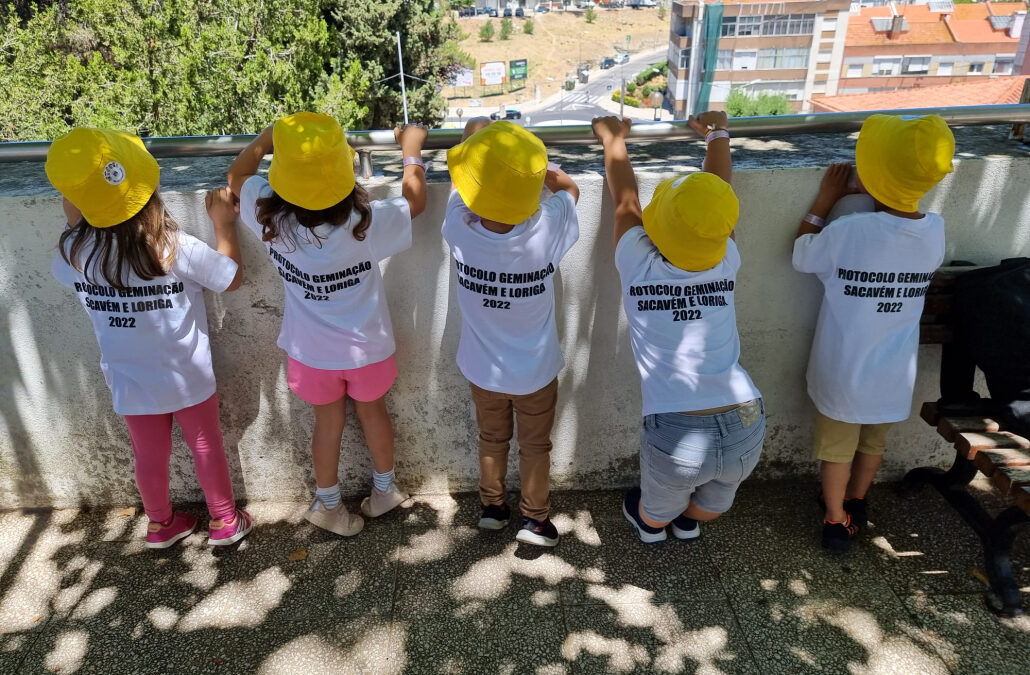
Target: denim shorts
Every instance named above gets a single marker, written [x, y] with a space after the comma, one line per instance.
[704, 457]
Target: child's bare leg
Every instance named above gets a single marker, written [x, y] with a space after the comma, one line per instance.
[863, 470]
[694, 512]
[835, 477]
[378, 428]
[325, 442]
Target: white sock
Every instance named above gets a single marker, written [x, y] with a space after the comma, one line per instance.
[382, 480]
[330, 496]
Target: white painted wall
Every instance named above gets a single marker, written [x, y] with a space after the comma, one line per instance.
[61, 444]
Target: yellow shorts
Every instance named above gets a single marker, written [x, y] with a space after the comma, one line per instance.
[837, 441]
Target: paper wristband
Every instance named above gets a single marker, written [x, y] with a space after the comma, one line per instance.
[815, 221]
[553, 166]
[718, 133]
[414, 161]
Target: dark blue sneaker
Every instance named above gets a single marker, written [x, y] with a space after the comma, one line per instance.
[631, 509]
[495, 517]
[538, 532]
[685, 528]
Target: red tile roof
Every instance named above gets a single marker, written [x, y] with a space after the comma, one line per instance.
[969, 23]
[985, 91]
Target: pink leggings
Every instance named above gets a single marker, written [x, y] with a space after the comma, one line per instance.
[152, 446]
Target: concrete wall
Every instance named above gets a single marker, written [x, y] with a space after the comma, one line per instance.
[61, 444]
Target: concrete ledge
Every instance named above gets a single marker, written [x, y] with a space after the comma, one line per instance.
[62, 445]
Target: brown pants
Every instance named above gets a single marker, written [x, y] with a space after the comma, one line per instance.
[535, 415]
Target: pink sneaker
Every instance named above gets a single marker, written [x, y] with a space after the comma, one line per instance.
[163, 535]
[232, 531]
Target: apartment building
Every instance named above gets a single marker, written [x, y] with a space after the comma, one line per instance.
[937, 43]
[794, 47]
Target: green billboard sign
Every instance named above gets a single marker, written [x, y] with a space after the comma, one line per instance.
[518, 69]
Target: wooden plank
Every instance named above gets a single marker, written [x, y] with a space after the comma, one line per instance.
[951, 427]
[939, 305]
[987, 461]
[970, 443]
[929, 413]
[1010, 479]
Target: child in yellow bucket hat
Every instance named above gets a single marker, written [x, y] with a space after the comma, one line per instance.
[704, 421]
[326, 240]
[507, 245]
[874, 254]
[141, 280]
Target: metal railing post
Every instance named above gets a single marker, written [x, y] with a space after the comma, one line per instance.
[365, 163]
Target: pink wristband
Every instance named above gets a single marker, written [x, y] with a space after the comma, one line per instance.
[815, 221]
[718, 133]
[414, 161]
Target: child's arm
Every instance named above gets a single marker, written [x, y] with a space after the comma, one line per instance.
[833, 187]
[717, 154]
[71, 213]
[413, 186]
[559, 180]
[248, 161]
[612, 131]
[222, 208]
[472, 126]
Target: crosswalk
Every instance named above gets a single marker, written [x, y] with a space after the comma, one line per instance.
[579, 97]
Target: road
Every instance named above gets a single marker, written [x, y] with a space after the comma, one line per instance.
[585, 101]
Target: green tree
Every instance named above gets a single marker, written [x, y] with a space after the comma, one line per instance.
[506, 29]
[590, 15]
[662, 13]
[486, 31]
[527, 26]
[739, 104]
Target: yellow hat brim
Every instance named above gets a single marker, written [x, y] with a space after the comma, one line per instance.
[314, 185]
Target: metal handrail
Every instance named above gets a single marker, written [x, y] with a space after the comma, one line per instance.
[580, 134]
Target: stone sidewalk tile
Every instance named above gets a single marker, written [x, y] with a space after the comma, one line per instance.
[790, 631]
[484, 638]
[969, 638]
[922, 545]
[650, 637]
[279, 645]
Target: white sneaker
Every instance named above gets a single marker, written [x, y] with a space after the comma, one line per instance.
[378, 503]
[337, 520]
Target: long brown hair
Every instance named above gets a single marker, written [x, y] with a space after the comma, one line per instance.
[144, 245]
[275, 213]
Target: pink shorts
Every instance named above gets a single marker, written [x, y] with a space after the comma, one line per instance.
[320, 387]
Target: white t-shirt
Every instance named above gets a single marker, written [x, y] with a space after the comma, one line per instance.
[875, 270]
[683, 328]
[509, 339]
[154, 349]
[336, 316]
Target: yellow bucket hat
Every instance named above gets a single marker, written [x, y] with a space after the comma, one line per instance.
[690, 218]
[499, 172]
[312, 164]
[898, 160]
[108, 175]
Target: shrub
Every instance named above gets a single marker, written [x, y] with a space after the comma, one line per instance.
[590, 15]
[646, 91]
[661, 12]
[739, 104]
[630, 101]
[506, 29]
[631, 87]
[486, 32]
[527, 27]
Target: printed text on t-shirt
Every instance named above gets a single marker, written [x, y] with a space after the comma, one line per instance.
[682, 300]
[96, 299]
[318, 286]
[502, 284]
[887, 285]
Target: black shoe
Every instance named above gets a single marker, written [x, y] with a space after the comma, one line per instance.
[495, 517]
[685, 528]
[837, 536]
[631, 509]
[858, 509]
[539, 532]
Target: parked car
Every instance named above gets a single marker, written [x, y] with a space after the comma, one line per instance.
[621, 58]
[509, 114]
[519, 12]
[493, 12]
[507, 13]
[466, 11]
[482, 10]
[541, 9]
[607, 62]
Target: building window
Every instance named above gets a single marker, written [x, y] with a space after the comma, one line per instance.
[748, 26]
[1003, 66]
[976, 68]
[778, 58]
[825, 56]
[945, 68]
[745, 60]
[724, 60]
[830, 24]
[915, 64]
[855, 70]
[683, 62]
[788, 24]
[729, 26]
[886, 66]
